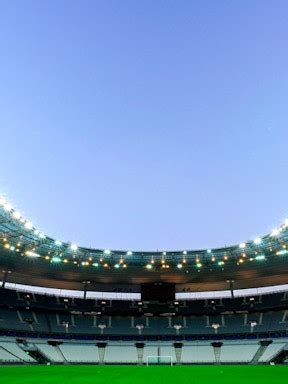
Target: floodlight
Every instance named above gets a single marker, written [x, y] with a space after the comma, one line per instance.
[16, 215]
[28, 225]
[74, 247]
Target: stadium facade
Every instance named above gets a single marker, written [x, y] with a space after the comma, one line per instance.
[61, 303]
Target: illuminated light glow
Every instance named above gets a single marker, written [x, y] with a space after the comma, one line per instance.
[124, 265]
[12, 248]
[163, 261]
[41, 235]
[260, 257]
[2, 201]
[152, 261]
[56, 259]
[116, 265]
[149, 266]
[242, 245]
[95, 265]
[275, 232]
[105, 265]
[16, 215]
[241, 261]
[47, 257]
[179, 266]
[221, 263]
[7, 245]
[7, 207]
[282, 252]
[209, 251]
[164, 253]
[28, 225]
[184, 261]
[184, 252]
[129, 253]
[58, 243]
[65, 261]
[74, 247]
[107, 251]
[225, 257]
[198, 265]
[213, 258]
[258, 241]
[32, 254]
[37, 232]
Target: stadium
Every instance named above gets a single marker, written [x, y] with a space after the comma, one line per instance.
[62, 304]
[143, 192]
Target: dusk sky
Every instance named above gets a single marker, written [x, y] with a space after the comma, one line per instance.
[145, 125]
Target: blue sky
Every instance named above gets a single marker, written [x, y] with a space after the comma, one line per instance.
[145, 125]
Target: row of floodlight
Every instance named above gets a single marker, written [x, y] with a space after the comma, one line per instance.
[29, 226]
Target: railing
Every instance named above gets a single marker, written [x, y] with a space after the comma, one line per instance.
[137, 296]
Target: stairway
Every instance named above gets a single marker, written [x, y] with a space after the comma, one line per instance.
[217, 351]
[263, 344]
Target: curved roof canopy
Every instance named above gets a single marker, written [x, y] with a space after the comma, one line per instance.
[36, 259]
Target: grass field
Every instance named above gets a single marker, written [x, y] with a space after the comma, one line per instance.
[148, 375]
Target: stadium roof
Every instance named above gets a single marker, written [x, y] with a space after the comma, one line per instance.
[34, 258]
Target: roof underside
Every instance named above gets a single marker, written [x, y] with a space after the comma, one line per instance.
[36, 259]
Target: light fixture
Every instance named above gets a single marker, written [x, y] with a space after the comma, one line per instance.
[129, 253]
[7, 207]
[74, 247]
[32, 254]
[16, 215]
[242, 245]
[55, 259]
[258, 241]
[179, 265]
[28, 225]
[275, 232]
[107, 252]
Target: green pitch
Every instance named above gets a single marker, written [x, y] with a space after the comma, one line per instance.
[146, 375]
